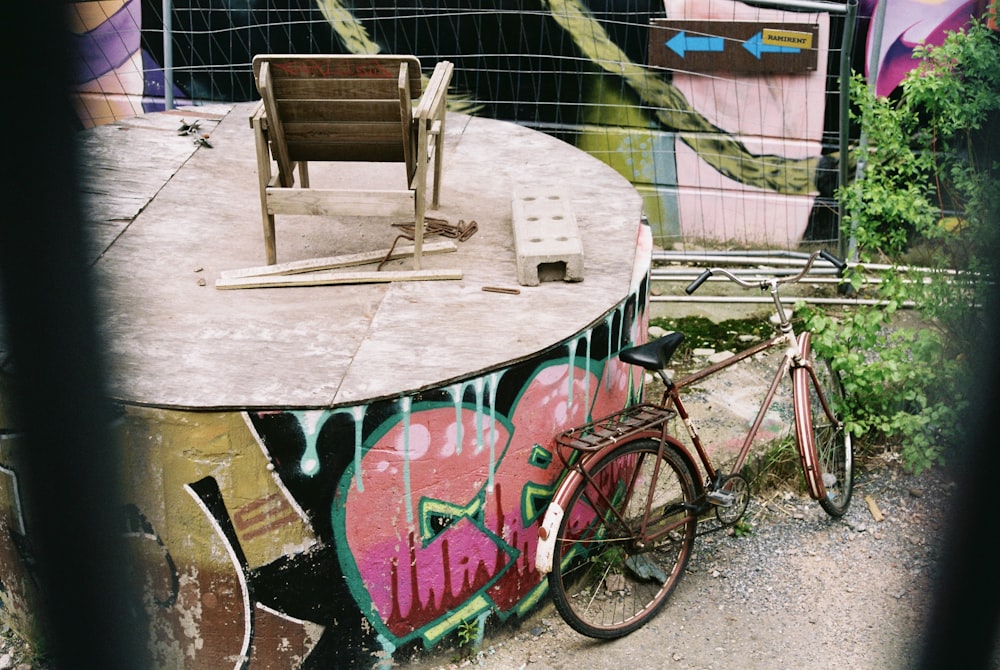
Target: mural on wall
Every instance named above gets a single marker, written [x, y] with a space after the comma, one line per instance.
[716, 156]
[908, 24]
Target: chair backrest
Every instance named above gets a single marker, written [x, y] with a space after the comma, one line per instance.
[338, 108]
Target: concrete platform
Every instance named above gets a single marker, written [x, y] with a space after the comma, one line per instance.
[168, 215]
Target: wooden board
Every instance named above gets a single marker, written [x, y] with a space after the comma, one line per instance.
[749, 47]
[335, 278]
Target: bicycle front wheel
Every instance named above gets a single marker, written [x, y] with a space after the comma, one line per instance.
[624, 541]
[824, 443]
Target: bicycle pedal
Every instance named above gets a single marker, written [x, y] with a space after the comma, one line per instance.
[721, 498]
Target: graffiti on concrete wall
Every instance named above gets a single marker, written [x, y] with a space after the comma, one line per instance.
[337, 537]
[347, 536]
[436, 497]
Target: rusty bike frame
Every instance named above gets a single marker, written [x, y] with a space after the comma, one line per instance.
[587, 444]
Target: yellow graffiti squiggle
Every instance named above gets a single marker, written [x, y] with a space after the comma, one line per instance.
[353, 35]
[725, 154]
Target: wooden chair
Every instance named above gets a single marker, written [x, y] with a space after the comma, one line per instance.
[347, 108]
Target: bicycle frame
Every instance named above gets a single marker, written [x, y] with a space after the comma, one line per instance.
[600, 440]
[672, 398]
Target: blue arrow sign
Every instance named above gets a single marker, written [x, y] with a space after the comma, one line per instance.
[681, 43]
[756, 46]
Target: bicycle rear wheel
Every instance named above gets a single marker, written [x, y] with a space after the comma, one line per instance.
[825, 444]
[607, 581]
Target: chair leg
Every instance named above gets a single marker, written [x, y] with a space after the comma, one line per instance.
[418, 226]
[264, 179]
[438, 157]
[269, 246]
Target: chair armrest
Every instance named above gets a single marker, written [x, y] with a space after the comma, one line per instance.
[258, 114]
[432, 102]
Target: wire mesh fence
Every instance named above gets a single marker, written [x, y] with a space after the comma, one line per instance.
[725, 156]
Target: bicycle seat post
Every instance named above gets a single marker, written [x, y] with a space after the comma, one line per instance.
[771, 286]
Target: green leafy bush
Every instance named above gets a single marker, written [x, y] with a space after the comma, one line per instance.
[927, 198]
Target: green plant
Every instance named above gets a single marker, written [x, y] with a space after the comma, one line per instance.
[927, 196]
[703, 332]
[468, 637]
[776, 465]
[610, 558]
[742, 528]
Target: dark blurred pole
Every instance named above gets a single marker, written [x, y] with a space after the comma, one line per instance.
[71, 477]
[964, 626]
[962, 631]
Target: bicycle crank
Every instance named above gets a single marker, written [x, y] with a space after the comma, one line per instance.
[733, 494]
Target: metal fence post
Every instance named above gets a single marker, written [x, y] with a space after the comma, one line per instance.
[168, 55]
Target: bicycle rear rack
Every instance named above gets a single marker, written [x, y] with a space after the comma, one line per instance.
[616, 427]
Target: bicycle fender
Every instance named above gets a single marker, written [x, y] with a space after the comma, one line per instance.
[549, 530]
[547, 538]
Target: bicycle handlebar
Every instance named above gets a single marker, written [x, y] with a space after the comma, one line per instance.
[763, 283]
[701, 279]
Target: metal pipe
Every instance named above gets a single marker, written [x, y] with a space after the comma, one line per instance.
[737, 299]
[810, 279]
[812, 5]
[848, 247]
[743, 255]
[168, 55]
[720, 259]
[775, 258]
[875, 30]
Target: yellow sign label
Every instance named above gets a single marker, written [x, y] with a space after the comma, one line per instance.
[786, 38]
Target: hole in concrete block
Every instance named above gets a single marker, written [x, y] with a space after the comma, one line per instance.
[552, 271]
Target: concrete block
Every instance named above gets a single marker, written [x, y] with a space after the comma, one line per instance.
[546, 238]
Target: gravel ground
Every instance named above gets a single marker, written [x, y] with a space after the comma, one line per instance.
[801, 590]
[16, 654]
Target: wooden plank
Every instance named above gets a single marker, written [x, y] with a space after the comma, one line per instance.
[342, 202]
[335, 278]
[341, 111]
[367, 152]
[333, 262]
[754, 47]
[299, 89]
[873, 508]
[352, 66]
[346, 133]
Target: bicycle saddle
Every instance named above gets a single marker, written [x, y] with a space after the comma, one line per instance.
[653, 355]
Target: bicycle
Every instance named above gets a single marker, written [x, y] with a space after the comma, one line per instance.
[619, 530]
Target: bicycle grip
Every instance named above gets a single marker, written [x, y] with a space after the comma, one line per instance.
[699, 280]
[841, 265]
